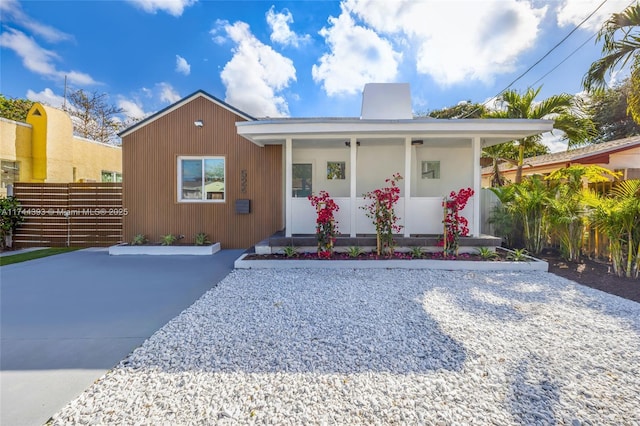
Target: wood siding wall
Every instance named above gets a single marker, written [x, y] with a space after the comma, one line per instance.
[69, 214]
[150, 167]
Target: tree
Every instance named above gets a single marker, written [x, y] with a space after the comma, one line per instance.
[621, 45]
[563, 109]
[617, 215]
[93, 118]
[566, 209]
[464, 109]
[608, 110]
[508, 153]
[14, 108]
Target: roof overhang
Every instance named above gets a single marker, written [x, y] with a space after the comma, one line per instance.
[180, 103]
[491, 131]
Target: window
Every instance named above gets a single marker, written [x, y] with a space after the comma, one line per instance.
[10, 171]
[201, 179]
[335, 170]
[106, 176]
[430, 170]
[302, 180]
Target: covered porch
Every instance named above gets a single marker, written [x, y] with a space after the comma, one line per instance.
[350, 157]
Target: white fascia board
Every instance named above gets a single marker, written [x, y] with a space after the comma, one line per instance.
[501, 129]
[179, 104]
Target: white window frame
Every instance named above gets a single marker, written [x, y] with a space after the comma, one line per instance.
[202, 158]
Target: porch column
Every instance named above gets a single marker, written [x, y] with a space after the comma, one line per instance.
[407, 184]
[288, 184]
[476, 145]
[353, 152]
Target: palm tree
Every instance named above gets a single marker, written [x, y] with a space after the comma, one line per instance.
[621, 44]
[618, 215]
[561, 108]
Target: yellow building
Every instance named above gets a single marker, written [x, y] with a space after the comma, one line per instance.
[44, 149]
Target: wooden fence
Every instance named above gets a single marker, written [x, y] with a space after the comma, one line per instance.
[69, 214]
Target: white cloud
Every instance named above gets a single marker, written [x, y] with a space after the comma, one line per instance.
[216, 31]
[132, 108]
[280, 30]
[554, 141]
[172, 7]
[168, 93]
[182, 66]
[572, 12]
[256, 75]
[47, 97]
[358, 56]
[455, 42]
[39, 60]
[12, 12]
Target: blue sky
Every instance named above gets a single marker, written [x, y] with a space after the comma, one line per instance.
[297, 58]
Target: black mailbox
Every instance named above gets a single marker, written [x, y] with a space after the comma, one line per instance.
[243, 206]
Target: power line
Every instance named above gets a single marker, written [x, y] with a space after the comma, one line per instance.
[564, 60]
[542, 58]
[573, 53]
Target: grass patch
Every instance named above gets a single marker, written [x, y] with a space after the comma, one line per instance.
[36, 254]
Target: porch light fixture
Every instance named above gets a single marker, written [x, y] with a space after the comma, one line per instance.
[198, 123]
[417, 142]
[348, 143]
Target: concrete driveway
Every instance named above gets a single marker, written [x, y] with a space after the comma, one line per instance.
[67, 319]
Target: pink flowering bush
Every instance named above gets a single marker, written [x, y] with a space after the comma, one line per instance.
[455, 225]
[381, 211]
[326, 225]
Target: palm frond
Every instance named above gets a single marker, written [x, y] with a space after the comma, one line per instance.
[620, 44]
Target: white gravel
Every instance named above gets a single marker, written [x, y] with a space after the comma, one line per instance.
[381, 347]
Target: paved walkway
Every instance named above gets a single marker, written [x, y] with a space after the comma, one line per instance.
[67, 319]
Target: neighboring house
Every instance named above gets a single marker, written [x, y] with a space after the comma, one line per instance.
[192, 167]
[621, 155]
[44, 149]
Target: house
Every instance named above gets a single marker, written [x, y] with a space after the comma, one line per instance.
[185, 169]
[172, 159]
[44, 149]
[621, 155]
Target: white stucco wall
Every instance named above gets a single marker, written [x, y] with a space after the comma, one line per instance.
[377, 163]
[629, 159]
[319, 158]
[456, 170]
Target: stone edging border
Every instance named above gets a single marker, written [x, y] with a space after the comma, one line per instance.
[126, 249]
[532, 264]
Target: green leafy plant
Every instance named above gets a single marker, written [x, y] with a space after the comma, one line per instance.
[381, 210]
[355, 251]
[617, 215]
[486, 253]
[416, 253]
[290, 251]
[139, 239]
[11, 217]
[567, 215]
[531, 206]
[202, 239]
[518, 255]
[168, 240]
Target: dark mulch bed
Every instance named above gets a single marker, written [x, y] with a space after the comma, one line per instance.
[595, 274]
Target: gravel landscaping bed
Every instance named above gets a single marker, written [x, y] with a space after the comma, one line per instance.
[379, 347]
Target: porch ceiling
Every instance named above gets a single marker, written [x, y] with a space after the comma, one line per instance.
[385, 141]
